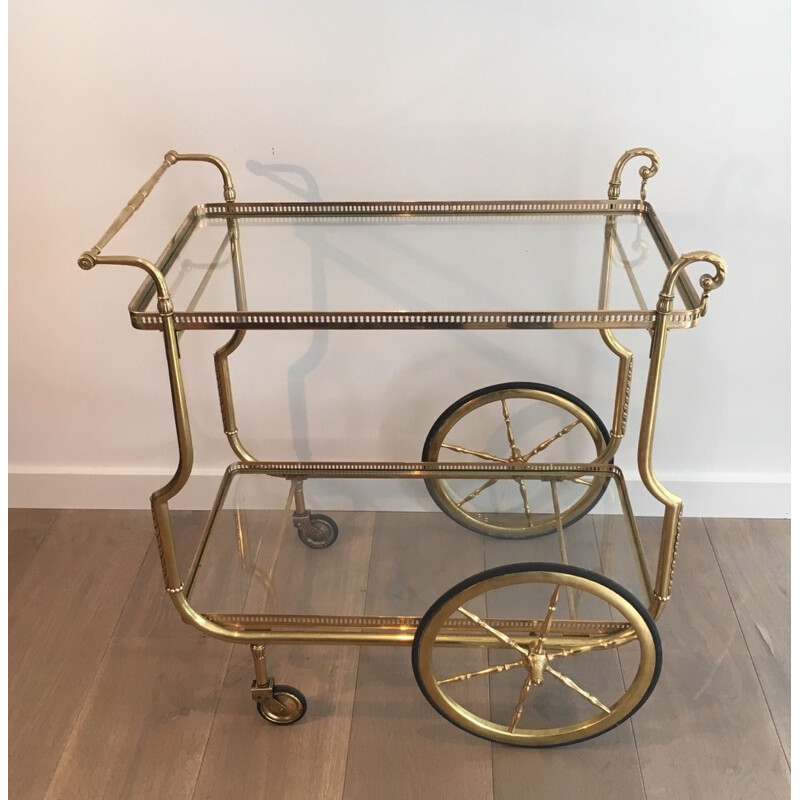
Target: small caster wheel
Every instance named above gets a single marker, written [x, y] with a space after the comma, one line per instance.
[286, 706]
[317, 531]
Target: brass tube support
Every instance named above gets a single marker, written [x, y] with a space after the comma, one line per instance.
[221, 356]
[260, 663]
[670, 532]
[625, 356]
[160, 498]
[226, 396]
[299, 497]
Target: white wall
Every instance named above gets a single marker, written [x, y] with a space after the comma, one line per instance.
[448, 99]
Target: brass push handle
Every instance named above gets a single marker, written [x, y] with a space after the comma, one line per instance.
[90, 257]
[707, 282]
[645, 173]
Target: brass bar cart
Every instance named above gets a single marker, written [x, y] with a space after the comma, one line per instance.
[516, 652]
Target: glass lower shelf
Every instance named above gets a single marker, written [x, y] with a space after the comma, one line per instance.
[253, 567]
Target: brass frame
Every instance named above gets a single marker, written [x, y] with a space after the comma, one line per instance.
[259, 629]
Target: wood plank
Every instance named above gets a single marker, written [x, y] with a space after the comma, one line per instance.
[151, 708]
[27, 528]
[306, 759]
[61, 617]
[400, 746]
[149, 714]
[706, 730]
[609, 764]
[754, 556]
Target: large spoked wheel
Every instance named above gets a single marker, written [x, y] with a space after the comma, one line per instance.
[516, 424]
[537, 655]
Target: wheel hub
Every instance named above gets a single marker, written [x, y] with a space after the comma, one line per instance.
[537, 663]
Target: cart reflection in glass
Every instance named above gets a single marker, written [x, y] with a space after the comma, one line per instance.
[533, 653]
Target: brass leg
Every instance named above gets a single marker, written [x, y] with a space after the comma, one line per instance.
[262, 685]
[673, 505]
[301, 516]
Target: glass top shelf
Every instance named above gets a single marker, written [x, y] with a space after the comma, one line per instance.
[588, 264]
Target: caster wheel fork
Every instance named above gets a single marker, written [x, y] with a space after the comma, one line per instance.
[278, 704]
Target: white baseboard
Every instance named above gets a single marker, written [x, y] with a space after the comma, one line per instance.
[735, 496]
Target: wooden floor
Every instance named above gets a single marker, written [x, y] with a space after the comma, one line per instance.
[111, 696]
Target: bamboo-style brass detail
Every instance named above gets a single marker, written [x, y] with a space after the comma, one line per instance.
[548, 620]
[130, 209]
[523, 491]
[523, 694]
[477, 453]
[496, 633]
[480, 672]
[475, 492]
[515, 454]
[547, 442]
[575, 688]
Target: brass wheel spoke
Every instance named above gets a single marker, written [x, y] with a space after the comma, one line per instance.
[472, 495]
[526, 687]
[547, 442]
[477, 453]
[586, 648]
[548, 620]
[487, 671]
[582, 481]
[575, 688]
[496, 633]
[509, 433]
[523, 490]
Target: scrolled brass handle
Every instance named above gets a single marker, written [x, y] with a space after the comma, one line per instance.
[645, 173]
[707, 282]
